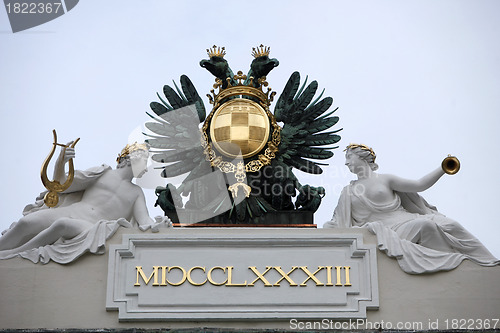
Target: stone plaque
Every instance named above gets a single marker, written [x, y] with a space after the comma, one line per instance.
[220, 274]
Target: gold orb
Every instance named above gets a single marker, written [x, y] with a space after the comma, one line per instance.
[239, 127]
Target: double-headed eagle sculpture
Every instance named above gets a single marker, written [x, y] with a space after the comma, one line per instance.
[241, 142]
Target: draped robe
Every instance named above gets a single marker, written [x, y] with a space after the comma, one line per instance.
[92, 240]
[412, 231]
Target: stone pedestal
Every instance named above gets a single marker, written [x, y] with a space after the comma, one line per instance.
[53, 296]
[280, 219]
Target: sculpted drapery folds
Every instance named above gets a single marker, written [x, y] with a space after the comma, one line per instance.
[98, 201]
[407, 227]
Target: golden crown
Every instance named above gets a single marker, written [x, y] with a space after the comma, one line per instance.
[363, 147]
[130, 148]
[241, 89]
[260, 51]
[215, 51]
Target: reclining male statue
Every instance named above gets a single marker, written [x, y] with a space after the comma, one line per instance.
[407, 227]
[89, 212]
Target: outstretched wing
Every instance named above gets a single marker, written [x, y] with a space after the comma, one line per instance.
[304, 136]
[176, 138]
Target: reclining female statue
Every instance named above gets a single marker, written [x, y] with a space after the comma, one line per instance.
[98, 201]
[406, 226]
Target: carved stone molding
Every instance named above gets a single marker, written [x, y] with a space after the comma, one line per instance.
[213, 274]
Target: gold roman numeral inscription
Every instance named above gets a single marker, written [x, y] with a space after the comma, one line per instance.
[160, 276]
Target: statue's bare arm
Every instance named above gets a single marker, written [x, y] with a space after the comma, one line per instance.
[64, 156]
[140, 212]
[407, 185]
[59, 169]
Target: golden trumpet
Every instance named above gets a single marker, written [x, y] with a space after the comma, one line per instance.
[450, 165]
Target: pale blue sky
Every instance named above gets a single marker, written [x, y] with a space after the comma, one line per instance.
[416, 80]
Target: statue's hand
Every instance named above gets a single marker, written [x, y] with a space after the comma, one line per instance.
[331, 224]
[145, 225]
[64, 156]
[66, 153]
[159, 221]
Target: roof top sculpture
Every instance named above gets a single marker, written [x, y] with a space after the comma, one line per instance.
[243, 139]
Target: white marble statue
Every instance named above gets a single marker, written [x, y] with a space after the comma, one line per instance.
[407, 227]
[90, 211]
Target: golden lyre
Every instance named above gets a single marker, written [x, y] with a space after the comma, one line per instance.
[54, 187]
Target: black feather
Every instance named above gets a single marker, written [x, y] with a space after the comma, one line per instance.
[321, 124]
[316, 110]
[158, 108]
[305, 98]
[173, 98]
[193, 97]
[304, 165]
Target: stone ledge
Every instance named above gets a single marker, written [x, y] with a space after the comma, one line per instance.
[218, 330]
[73, 297]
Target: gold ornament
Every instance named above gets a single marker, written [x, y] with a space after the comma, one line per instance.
[130, 148]
[260, 51]
[450, 165]
[239, 127]
[216, 52]
[54, 187]
[237, 124]
[362, 146]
